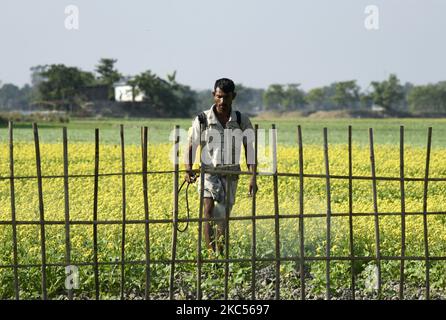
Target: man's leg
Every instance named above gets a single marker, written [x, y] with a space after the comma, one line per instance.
[230, 187]
[208, 226]
[221, 237]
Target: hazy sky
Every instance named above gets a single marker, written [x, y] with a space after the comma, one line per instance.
[255, 42]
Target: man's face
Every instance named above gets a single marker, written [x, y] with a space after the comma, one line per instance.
[223, 100]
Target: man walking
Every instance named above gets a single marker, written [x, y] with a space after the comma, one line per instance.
[225, 131]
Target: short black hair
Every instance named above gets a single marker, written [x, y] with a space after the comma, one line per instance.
[225, 84]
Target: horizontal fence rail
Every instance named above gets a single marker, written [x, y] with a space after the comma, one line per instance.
[299, 215]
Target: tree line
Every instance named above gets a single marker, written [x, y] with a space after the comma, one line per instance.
[59, 87]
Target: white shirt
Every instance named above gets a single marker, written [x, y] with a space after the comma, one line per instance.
[217, 139]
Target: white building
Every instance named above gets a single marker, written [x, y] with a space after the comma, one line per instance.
[124, 93]
[377, 108]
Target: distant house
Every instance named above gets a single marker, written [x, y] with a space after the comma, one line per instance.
[377, 108]
[126, 93]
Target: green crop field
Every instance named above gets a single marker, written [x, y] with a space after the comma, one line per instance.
[386, 130]
[81, 155]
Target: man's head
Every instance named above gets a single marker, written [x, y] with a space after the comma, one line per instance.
[224, 93]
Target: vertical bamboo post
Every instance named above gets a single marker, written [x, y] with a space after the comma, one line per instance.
[403, 214]
[425, 222]
[350, 211]
[95, 214]
[328, 239]
[144, 137]
[175, 210]
[13, 211]
[200, 217]
[253, 211]
[226, 234]
[41, 211]
[124, 207]
[301, 215]
[375, 210]
[276, 211]
[67, 205]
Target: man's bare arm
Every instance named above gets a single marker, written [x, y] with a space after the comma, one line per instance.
[189, 161]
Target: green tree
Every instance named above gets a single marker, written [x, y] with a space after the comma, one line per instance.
[61, 84]
[346, 94]
[108, 74]
[9, 94]
[205, 100]
[404, 104]
[273, 97]
[14, 98]
[36, 79]
[294, 98]
[316, 98]
[185, 99]
[365, 100]
[248, 99]
[428, 98]
[36, 74]
[388, 93]
[168, 98]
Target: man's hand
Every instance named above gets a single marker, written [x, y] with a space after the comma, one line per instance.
[190, 176]
[252, 187]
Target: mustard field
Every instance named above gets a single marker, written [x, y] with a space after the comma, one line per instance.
[160, 198]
